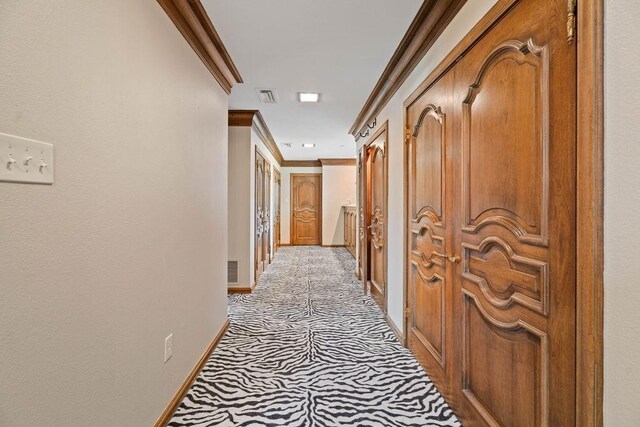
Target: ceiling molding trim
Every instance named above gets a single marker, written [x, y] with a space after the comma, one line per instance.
[193, 22]
[254, 119]
[338, 162]
[242, 117]
[301, 164]
[260, 128]
[432, 18]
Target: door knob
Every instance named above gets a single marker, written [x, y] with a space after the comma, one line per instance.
[453, 258]
[449, 257]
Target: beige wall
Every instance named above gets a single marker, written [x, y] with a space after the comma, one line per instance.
[338, 189]
[130, 243]
[240, 208]
[468, 16]
[622, 207]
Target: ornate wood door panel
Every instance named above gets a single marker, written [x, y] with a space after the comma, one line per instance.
[277, 185]
[306, 209]
[516, 91]
[430, 322]
[491, 199]
[259, 215]
[266, 221]
[376, 164]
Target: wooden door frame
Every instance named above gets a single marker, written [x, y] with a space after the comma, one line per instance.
[362, 215]
[291, 206]
[383, 129]
[589, 194]
[277, 179]
[590, 213]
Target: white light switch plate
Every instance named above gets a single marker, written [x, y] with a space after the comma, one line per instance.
[25, 160]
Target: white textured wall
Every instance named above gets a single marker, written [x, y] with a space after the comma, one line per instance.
[468, 16]
[338, 189]
[130, 244]
[240, 207]
[285, 214]
[622, 207]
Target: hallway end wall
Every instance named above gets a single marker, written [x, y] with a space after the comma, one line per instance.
[129, 244]
[338, 189]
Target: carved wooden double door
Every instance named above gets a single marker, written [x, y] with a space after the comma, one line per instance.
[373, 216]
[262, 214]
[491, 223]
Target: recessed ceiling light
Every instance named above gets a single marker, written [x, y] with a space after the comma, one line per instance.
[308, 97]
[308, 145]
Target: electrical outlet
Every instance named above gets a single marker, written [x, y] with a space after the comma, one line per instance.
[168, 348]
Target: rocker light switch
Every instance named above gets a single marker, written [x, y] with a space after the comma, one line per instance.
[25, 160]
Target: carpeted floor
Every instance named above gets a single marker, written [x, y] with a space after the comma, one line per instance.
[307, 348]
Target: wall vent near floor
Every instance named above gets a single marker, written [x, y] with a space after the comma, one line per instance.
[233, 271]
[267, 96]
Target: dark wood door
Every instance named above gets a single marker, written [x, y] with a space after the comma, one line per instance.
[377, 216]
[260, 175]
[277, 185]
[430, 327]
[306, 209]
[491, 273]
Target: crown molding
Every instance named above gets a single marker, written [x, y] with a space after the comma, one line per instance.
[242, 117]
[338, 162]
[301, 164]
[428, 24]
[254, 119]
[191, 19]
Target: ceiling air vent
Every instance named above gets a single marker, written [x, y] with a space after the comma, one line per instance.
[267, 96]
[232, 272]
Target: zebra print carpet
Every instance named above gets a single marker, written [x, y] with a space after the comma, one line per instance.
[307, 348]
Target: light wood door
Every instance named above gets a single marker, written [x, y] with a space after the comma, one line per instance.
[377, 217]
[306, 209]
[495, 300]
[517, 94]
[430, 322]
[260, 175]
[277, 186]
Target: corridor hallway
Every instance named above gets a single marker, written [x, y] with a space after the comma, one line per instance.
[307, 348]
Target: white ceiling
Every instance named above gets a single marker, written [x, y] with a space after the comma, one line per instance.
[336, 47]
